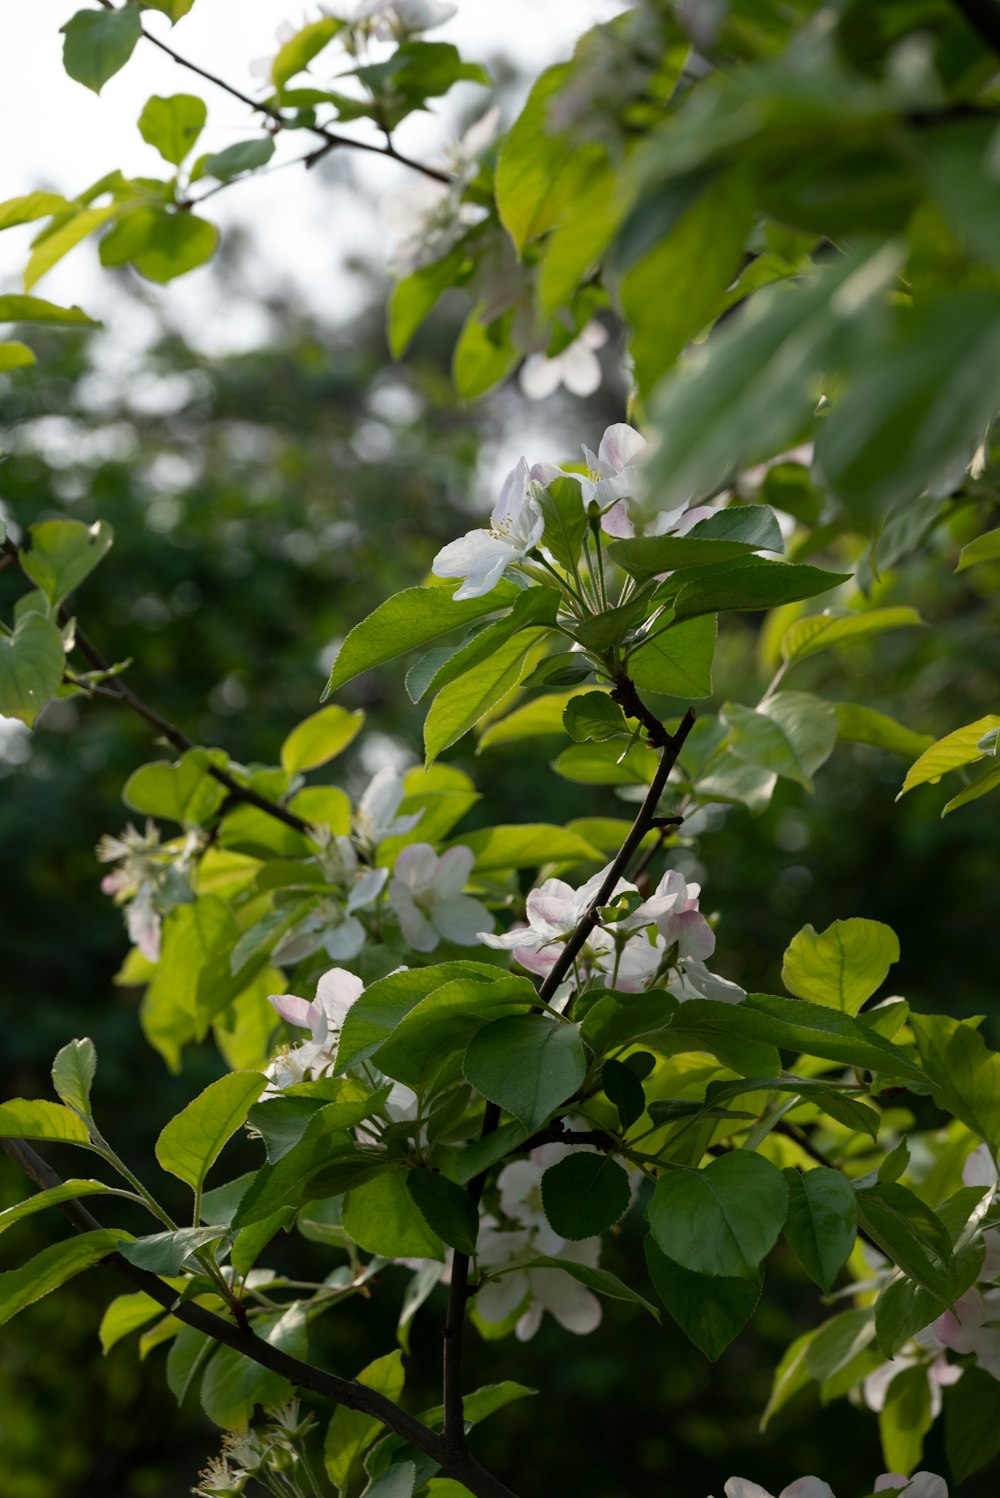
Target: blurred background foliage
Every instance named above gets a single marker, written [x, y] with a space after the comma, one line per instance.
[263, 503]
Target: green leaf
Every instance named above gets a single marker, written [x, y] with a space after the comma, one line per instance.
[566, 520]
[623, 1090]
[282, 1121]
[790, 1376]
[439, 1028]
[31, 667]
[350, 1433]
[710, 1309]
[415, 296]
[536, 172]
[244, 156]
[184, 792]
[950, 753]
[73, 1073]
[900, 430]
[192, 1141]
[53, 1267]
[172, 8]
[98, 43]
[964, 1073]
[485, 353]
[865, 725]
[721, 1220]
[841, 966]
[35, 1118]
[679, 285]
[984, 548]
[905, 1418]
[63, 553]
[791, 734]
[166, 1253]
[820, 631]
[162, 245]
[296, 54]
[753, 525]
[126, 1314]
[910, 1233]
[984, 783]
[528, 1064]
[836, 1344]
[751, 391]
[407, 621]
[601, 1281]
[526, 845]
[325, 1162]
[462, 703]
[447, 1210]
[531, 606]
[750, 584]
[16, 308]
[320, 738]
[972, 1423]
[678, 663]
[648, 556]
[14, 355]
[373, 1016]
[822, 1221]
[232, 1386]
[383, 1218]
[603, 764]
[584, 1195]
[173, 125]
[31, 206]
[67, 1191]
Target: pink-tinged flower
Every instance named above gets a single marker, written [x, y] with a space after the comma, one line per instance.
[554, 911]
[940, 1374]
[482, 557]
[615, 479]
[426, 893]
[920, 1485]
[577, 367]
[323, 1017]
[375, 817]
[972, 1326]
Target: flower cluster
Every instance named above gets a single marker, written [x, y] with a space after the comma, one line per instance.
[921, 1485]
[150, 880]
[272, 1456]
[637, 944]
[612, 479]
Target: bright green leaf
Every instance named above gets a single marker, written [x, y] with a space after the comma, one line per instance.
[35, 1118]
[52, 1268]
[192, 1141]
[320, 738]
[31, 667]
[63, 553]
[173, 125]
[950, 753]
[73, 1073]
[820, 631]
[841, 966]
[99, 42]
[791, 734]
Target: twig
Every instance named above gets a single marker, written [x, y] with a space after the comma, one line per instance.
[459, 1464]
[331, 139]
[458, 1295]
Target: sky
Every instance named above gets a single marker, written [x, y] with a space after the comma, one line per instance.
[59, 135]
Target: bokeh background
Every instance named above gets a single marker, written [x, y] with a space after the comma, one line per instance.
[271, 476]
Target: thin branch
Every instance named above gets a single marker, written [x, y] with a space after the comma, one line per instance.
[460, 1465]
[331, 139]
[983, 16]
[458, 1295]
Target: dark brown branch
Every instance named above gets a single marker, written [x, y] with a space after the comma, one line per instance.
[331, 140]
[459, 1464]
[458, 1296]
[984, 17]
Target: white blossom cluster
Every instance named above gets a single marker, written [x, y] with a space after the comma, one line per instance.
[151, 879]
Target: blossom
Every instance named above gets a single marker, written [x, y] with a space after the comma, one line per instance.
[403, 18]
[554, 911]
[614, 481]
[323, 1017]
[971, 1326]
[150, 880]
[375, 817]
[940, 1373]
[577, 367]
[426, 894]
[427, 217]
[920, 1485]
[516, 525]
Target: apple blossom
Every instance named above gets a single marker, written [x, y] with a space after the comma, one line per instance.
[323, 1017]
[427, 217]
[426, 893]
[921, 1485]
[554, 911]
[375, 816]
[483, 556]
[403, 18]
[151, 880]
[577, 367]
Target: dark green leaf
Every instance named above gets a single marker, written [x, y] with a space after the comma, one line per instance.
[721, 1220]
[99, 42]
[710, 1309]
[624, 1089]
[446, 1208]
[822, 1221]
[528, 1064]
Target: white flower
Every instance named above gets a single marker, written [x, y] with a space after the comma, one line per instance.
[940, 1373]
[803, 1487]
[614, 479]
[336, 991]
[150, 881]
[516, 525]
[971, 1326]
[403, 18]
[375, 817]
[554, 911]
[577, 367]
[427, 217]
[426, 894]
[920, 1485]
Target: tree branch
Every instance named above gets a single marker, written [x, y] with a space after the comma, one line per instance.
[459, 1464]
[458, 1295]
[330, 138]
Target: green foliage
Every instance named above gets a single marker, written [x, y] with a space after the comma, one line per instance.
[173, 125]
[710, 1309]
[584, 1195]
[822, 1222]
[191, 1143]
[528, 1064]
[841, 966]
[73, 1072]
[722, 1220]
[51, 1268]
[31, 667]
[98, 43]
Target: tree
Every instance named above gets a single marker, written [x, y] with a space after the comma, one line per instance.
[789, 211]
